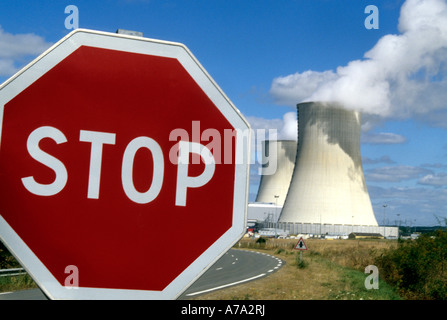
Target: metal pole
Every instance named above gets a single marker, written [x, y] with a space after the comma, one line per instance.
[320, 226]
[352, 224]
[276, 214]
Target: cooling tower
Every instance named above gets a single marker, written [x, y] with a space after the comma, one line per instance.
[328, 185]
[278, 160]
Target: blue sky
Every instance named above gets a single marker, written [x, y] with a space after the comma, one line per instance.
[251, 46]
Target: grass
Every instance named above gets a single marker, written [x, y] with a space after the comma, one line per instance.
[15, 283]
[350, 285]
[331, 270]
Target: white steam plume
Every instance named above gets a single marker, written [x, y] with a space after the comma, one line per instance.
[401, 76]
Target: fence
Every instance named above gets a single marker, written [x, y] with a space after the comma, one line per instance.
[332, 229]
[12, 272]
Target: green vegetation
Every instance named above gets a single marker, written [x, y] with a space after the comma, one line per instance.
[418, 268]
[408, 269]
[7, 261]
[13, 283]
[330, 270]
[347, 259]
[335, 270]
[300, 263]
[16, 283]
[355, 281]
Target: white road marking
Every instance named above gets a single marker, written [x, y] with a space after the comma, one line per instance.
[240, 281]
[226, 285]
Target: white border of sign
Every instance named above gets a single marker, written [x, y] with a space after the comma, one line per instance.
[55, 54]
[304, 245]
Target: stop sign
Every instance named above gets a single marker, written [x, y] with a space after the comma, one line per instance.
[123, 168]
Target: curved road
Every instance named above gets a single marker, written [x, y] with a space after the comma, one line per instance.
[233, 268]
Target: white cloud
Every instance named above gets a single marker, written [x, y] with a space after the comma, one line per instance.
[15, 49]
[286, 128]
[7, 67]
[435, 165]
[382, 159]
[395, 173]
[383, 138]
[294, 88]
[289, 129]
[437, 180]
[415, 206]
[403, 75]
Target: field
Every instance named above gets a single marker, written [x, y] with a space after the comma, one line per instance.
[16, 283]
[331, 270]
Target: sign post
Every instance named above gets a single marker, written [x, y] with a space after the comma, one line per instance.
[109, 142]
[301, 246]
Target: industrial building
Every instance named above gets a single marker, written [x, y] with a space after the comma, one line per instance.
[278, 162]
[326, 192]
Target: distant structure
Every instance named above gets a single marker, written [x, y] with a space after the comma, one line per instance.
[278, 160]
[328, 185]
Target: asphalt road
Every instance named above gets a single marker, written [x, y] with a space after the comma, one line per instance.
[233, 268]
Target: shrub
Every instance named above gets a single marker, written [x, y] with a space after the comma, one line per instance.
[300, 263]
[417, 268]
[7, 261]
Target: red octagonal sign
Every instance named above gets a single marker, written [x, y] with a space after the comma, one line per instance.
[123, 168]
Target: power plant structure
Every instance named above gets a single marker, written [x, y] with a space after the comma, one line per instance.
[278, 162]
[326, 193]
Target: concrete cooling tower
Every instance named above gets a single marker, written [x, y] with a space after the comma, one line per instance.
[278, 160]
[328, 185]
